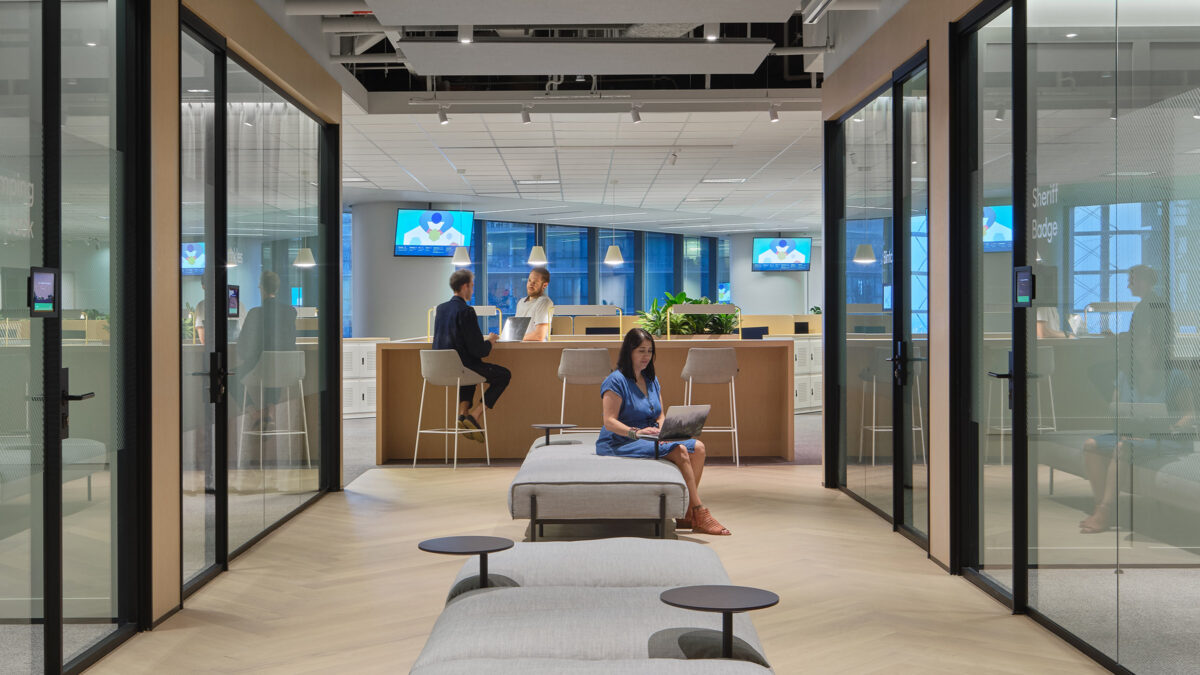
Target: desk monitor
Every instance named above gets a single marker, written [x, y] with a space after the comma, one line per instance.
[800, 327]
[753, 332]
[43, 292]
[601, 330]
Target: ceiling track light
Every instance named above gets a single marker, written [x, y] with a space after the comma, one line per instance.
[442, 117]
[673, 158]
[773, 114]
[712, 31]
[634, 114]
[999, 114]
[525, 119]
[466, 33]
[1112, 114]
[1196, 114]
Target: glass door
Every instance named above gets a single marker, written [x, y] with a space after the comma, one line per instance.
[883, 276]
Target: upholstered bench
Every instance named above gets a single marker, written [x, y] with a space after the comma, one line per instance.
[625, 562]
[571, 483]
[587, 607]
[81, 457]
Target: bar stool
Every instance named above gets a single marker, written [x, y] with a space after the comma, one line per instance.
[1045, 374]
[995, 359]
[581, 366]
[877, 367]
[714, 366]
[443, 368]
[275, 370]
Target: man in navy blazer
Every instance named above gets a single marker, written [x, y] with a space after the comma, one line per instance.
[456, 327]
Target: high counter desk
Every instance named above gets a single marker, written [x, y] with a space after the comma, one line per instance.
[764, 397]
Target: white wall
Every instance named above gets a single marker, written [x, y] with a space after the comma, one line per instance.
[392, 295]
[773, 292]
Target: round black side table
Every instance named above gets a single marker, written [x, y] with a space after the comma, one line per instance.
[468, 545]
[724, 599]
[552, 427]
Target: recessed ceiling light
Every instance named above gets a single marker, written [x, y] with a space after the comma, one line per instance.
[700, 200]
[1123, 174]
[538, 181]
[354, 180]
[249, 124]
[723, 180]
[198, 91]
[1072, 35]
[91, 44]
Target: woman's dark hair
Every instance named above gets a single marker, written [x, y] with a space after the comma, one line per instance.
[634, 339]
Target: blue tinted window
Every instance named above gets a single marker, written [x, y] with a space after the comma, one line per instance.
[567, 251]
[695, 266]
[724, 292]
[660, 267]
[864, 281]
[618, 283]
[508, 246]
[347, 280]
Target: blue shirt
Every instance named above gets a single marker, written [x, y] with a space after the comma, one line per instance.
[638, 410]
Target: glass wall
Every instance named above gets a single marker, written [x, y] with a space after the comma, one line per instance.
[199, 303]
[867, 278]
[659, 268]
[274, 231]
[347, 279]
[508, 246]
[22, 637]
[1114, 228]
[567, 251]
[618, 283]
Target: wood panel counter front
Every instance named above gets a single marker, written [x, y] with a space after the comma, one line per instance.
[764, 397]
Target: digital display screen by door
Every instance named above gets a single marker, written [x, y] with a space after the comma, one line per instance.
[43, 292]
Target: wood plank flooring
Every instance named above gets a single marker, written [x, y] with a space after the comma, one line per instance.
[343, 588]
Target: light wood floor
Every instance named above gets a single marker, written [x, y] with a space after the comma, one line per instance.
[343, 588]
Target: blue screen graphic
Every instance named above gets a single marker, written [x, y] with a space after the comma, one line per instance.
[432, 233]
[781, 254]
[997, 228]
[191, 259]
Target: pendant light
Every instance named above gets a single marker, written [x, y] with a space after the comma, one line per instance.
[305, 258]
[537, 256]
[864, 254]
[613, 255]
[462, 257]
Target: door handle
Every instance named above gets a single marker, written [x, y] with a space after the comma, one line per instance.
[79, 397]
[1000, 376]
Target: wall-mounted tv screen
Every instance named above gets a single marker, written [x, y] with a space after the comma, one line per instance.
[997, 228]
[781, 254]
[432, 233]
[191, 259]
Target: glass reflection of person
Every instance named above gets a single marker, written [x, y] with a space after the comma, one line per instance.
[536, 305]
[1144, 376]
[631, 404]
[269, 327]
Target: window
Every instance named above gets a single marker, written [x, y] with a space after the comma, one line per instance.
[724, 292]
[864, 281]
[567, 251]
[1107, 240]
[695, 266]
[508, 246]
[659, 268]
[618, 283]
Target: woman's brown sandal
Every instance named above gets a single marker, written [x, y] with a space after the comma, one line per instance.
[703, 522]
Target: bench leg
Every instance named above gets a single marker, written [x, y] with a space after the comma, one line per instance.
[1051, 480]
[661, 530]
[89, 477]
[533, 523]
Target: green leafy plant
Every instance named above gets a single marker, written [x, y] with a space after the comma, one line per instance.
[815, 309]
[654, 320]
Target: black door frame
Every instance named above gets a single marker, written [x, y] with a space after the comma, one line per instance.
[132, 463]
[835, 327]
[329, 294]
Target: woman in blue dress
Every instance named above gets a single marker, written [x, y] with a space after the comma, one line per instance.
[632, 404]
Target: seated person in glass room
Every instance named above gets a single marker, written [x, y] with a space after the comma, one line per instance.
[631, 403]
[536, 305]
[1140, 400]
[268, 327]
[1050, 323]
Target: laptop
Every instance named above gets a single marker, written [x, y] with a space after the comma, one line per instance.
[1142, 419]
[514, 329]
[681, 423]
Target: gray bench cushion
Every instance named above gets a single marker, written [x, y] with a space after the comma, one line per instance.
[573, 482]
[589, 624]
[623, 562]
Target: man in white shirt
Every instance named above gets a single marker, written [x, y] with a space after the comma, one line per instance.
[536, 305]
